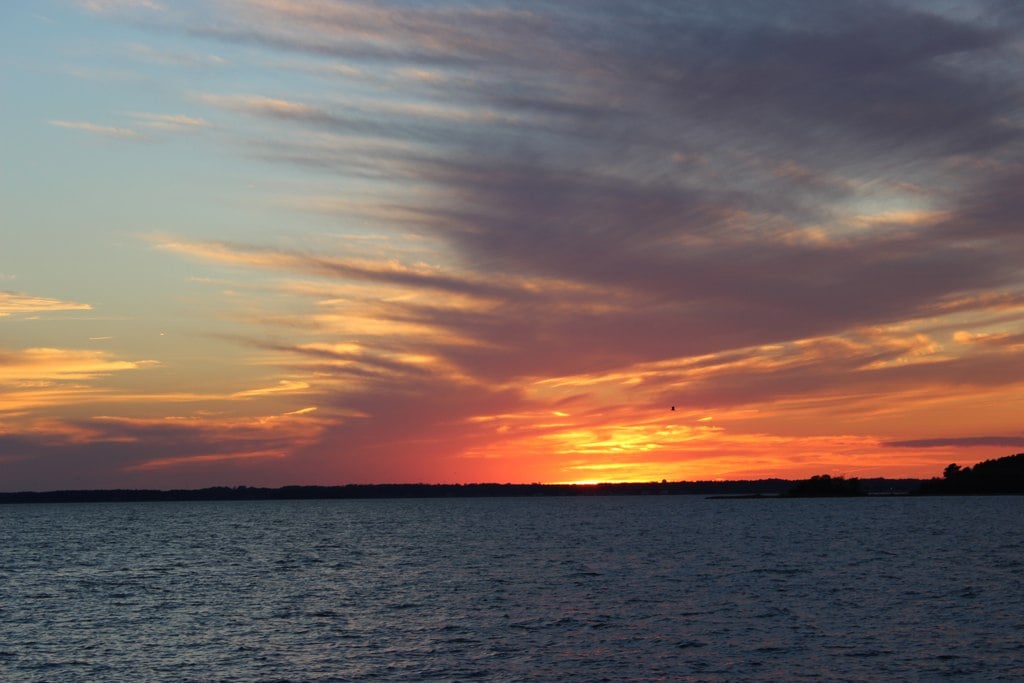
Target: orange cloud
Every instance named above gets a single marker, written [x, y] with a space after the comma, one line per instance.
[33, 365]
[268, 106]
[283, 387]
[17, 303]
[31, 396]
[224, 438]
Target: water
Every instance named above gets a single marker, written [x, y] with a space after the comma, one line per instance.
[512, 589]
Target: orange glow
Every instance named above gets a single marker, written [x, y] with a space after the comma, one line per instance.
[574, 429]
[623, 444]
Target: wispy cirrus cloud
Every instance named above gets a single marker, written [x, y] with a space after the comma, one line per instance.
[116, 132]
[388, 272]
[175, 123]
[115, 6]
[144, 126]
[12, 303]
[264, 106]
[34, 364]
[34, 381]
[117, 451]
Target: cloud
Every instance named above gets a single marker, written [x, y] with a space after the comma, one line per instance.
[169, 122]
[838, 75]
[1001, 339]
[118, 6]
[117, 132]
[283, 386]
[836, 121]
[264, 106]
[157, 123]
[376, 119]
[106, 452]
[389, 272]
[38, 381]
[712, 252]
[34, 364]
[379, 31]
[12, 303]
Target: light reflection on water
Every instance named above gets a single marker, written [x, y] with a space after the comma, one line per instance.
[638, 588]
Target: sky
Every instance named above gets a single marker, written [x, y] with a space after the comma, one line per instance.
[271, 242]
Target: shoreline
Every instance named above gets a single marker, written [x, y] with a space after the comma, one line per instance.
[762, 488]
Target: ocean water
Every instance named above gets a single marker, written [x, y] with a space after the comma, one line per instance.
[653, 588]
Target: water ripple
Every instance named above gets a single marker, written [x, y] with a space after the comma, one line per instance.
[615, 589]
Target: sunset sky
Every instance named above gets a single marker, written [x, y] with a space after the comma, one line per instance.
[269, 242]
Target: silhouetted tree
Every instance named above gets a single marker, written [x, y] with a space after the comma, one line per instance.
[1000, 476]
[824, 486]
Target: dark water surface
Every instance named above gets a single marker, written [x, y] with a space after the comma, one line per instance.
[512, 589]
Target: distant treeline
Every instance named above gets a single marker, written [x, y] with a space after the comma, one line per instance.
[763, 487]
[825, 486]
[999, 476]
[991, 477]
